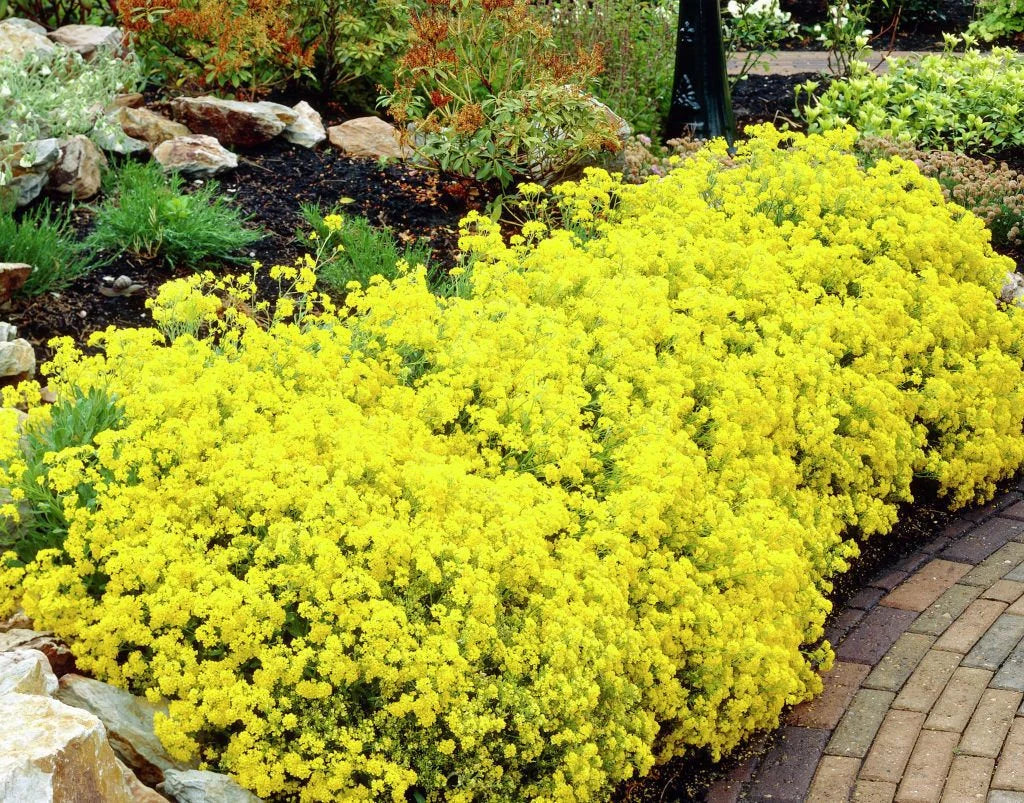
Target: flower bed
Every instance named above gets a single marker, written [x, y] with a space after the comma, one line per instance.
[523, 541]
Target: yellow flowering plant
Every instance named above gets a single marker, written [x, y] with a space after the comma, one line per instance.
[524, 541]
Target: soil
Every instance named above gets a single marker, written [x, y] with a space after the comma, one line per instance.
[769, 98]
[268, 187]
[906, 25]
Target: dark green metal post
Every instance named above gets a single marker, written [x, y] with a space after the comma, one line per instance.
[700, 92]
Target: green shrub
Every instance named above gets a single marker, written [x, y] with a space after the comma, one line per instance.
[56, 13]
[998, 18]
[524, 543]
[355, 251]
[246, 47]
[355, 40]
[489, 95]
[43, 238]
[970, 102]
[148, 215]
[636, 41]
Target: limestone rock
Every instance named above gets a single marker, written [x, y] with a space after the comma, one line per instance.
[86, 40]
[17, 358]
[233, 122]
[133, 100]
[13, 276]
[51, 753]
[196, 155]
[77, 174]
[17, 41]
[1013, 289]
[18, 620]
[308, 130]
[140, 792]
[150, 127]
[129, 723]
[26, 672]
[197, 786]
[623, 130]
[30, 164]
[368, 137]
[56, 651]
[28, 25]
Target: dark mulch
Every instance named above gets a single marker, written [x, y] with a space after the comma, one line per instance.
[916, 25]
[769, 98]
[269, 185]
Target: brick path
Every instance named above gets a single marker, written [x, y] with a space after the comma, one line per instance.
[924, 703]
[791, 62]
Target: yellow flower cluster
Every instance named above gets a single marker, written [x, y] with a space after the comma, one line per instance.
[522, 543]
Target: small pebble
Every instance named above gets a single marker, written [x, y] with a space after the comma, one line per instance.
[83, 314]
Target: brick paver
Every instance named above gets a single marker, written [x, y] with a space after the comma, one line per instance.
[1002, 796]
[927, 769]
[1011, 673]
[1008, 591]
[983, 541]
[973, 623]
[928, 681]
[795, 62]
[897, 665]
[1009, 772]
[953, 710]
[997, 565]
[921, 590]
[968, 779]
[1016, 574]
[893, 745]
[990, 723]
[834, 780]
[825, 711]
[788, 767]
[996, 645]
[858, 727]
[925, 703]
[874, 792]
[946, 610]
[876, 633]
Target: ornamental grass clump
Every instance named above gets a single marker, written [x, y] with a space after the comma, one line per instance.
[524, 542]
[148, 214]
[43, 237]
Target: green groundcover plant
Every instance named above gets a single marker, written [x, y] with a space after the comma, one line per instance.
[998, 18]
[524, 542]
[970, 101]
[59, 94]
